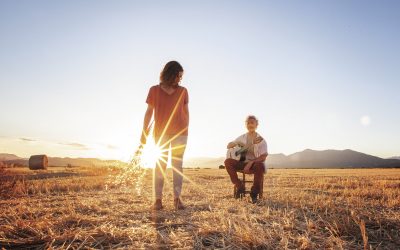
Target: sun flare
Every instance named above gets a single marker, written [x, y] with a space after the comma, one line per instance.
[151, 153]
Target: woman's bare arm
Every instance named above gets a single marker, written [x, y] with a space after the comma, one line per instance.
[186, 111]
[146, 121]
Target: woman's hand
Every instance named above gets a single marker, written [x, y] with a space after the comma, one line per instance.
[248, 166]
[143, 139]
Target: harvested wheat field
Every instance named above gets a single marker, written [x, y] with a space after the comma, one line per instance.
[301, 209]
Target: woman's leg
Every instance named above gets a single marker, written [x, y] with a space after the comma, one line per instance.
[178, 146]
[159, 171]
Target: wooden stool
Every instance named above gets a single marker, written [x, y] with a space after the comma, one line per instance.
[243, 180]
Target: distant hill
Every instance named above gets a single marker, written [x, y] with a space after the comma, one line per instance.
[330, 159]
[60, 161]
[395, 157]
[312, 159]
[203, 162]
[305, 159]
[7, 157]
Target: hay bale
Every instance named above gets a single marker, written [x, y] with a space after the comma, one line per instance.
[38, 162]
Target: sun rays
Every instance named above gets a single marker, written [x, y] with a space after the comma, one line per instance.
[156, 155]
[150, 154]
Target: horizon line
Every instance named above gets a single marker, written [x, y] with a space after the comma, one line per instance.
[194, 157]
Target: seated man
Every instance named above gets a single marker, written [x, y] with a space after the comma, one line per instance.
[248, 153]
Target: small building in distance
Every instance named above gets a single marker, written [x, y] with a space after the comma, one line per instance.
[38, 162]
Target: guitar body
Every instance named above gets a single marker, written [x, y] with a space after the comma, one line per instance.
[238, 153]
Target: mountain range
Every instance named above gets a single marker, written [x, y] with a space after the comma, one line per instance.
[305, 159]
[312, 159]
[60, 161]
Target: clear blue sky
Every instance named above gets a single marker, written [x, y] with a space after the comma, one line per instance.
[74, 75]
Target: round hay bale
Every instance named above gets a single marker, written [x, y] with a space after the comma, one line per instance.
[38, 162]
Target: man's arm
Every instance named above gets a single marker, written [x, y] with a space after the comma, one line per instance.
[237, 142]
[249, 164]
[146, 122]
[233, 144]
[261, 158]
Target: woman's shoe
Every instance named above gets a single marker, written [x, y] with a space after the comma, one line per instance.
[178, 204]
[157, 205]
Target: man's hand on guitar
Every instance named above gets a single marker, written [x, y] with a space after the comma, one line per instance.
[234, 144]
[258, 140]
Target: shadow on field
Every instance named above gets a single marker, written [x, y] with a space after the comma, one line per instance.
[165, 231]
[167, 227]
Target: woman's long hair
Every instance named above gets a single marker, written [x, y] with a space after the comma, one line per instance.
[169, 74]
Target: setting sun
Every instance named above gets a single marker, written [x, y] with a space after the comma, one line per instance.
[150, 154]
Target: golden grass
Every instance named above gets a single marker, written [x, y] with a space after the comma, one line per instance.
[302, 209]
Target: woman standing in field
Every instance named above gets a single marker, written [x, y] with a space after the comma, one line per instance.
[169, 103]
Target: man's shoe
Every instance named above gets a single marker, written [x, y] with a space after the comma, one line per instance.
[253, 197]
[239, 192]
[157, 205]
[178, 204]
